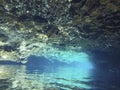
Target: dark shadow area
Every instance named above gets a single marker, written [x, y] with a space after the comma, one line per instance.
[42, 61]
[104, 59]
[4, 84]
[7, 62]
[42, 64]
[107, 71]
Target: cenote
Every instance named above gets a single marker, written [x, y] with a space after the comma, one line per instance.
[59, 44]
[40, 73]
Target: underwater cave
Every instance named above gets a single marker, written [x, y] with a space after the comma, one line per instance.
[59, 45]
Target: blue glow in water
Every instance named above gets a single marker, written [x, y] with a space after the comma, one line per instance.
[69, 71]
[69, 68]
[76, 74]
[78, 70]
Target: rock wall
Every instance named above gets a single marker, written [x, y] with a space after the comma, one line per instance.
[88, 25]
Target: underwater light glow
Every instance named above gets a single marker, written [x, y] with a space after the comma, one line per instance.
[75, 72]
[72, 75]
[80, 58]
[67, 56]
[79, 68]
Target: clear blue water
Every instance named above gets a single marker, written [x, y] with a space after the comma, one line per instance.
[57, 75]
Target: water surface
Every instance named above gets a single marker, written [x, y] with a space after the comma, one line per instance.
[48, 75]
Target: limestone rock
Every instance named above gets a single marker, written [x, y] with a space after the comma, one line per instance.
[28, 25]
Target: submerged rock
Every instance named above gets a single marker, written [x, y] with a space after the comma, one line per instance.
[31, 26]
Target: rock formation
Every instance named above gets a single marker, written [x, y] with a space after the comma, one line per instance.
[31, 26]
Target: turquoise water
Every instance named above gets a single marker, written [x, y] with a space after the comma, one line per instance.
[43, 74]
[61, 78]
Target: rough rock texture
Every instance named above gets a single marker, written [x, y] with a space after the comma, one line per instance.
[29, 26]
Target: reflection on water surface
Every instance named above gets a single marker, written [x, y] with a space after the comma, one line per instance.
[47, 75]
